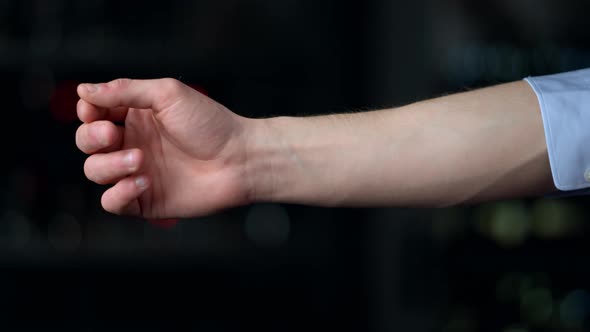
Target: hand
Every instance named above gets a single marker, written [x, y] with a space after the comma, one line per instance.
[179, 153]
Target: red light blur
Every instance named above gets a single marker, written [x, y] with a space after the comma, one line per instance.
[164, 223]
[63, 102]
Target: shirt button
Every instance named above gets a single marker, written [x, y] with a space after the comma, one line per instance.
[587, 175]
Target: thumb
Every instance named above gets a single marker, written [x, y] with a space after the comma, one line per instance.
[156, 94]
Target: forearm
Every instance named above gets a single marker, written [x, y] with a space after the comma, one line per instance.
[468, 147]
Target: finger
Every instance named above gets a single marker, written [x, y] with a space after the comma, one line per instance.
[88, 112]
[104, 168]
[122, 197]
[99, 136]
[155, 94]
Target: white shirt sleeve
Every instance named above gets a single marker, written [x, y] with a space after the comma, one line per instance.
[564, 100]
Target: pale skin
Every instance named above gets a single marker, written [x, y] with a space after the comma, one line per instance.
[181, 154]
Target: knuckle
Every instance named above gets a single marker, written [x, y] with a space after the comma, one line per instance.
[120, 83]
[170, 86]
[170, 90]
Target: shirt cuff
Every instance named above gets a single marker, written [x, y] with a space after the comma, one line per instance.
[564, 100]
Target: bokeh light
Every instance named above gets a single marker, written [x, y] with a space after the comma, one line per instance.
[574, 308]
[512, 286]
[536, 305]
[507, 223]
[162, 237]
[554, 218]
[164, 223]
[63, 101]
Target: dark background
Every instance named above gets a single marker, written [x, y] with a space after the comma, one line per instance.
[513, 266]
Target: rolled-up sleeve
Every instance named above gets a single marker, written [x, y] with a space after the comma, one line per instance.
[564, 100]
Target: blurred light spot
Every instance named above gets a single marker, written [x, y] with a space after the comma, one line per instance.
[63, 101]
[37, 86]
[574, 308]
[512, 286]
[64, 233]
[533, 281]
[536, 305]
[164, 223]
[267, 225]
[199, 88]
[510, 224]
[162, 237]
[507, 223]
[554, 219]
[15, 230]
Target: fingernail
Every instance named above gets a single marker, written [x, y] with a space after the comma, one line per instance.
[90, 87]
[141, 182]
[129, 160]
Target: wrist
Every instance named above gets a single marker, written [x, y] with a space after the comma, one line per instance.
[266, 167]
[261, 147]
